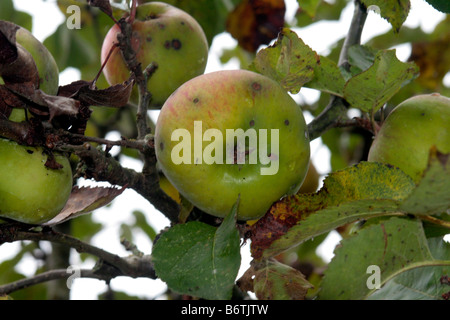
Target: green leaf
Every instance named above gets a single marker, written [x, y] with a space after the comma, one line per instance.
[198, 259]
[371, 89]
[210, 14]
[441, 5]
[277, 281]
[394, 11]
[9, 13]
[289, 61]
[309, 6]
[327, 78]
[360, 58]
[359, 192]
[432, 195]
[394, 246]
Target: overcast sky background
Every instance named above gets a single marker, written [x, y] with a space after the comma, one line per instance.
[47, 17]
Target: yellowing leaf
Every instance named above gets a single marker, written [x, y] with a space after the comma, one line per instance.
[289, 61]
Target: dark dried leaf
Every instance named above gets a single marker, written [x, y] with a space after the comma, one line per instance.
[116, 96]
[17, 66]
[103, 5]
[85, 200]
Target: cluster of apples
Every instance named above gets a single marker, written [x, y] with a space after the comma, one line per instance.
[220, 136]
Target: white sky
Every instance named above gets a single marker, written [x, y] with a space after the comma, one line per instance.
[47, 17]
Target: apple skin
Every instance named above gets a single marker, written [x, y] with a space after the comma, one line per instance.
[234, 99]
[409, 132]
[164, 35]
[29, 191]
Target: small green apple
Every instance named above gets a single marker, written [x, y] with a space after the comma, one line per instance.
[231, 133]
[164, 35]
[409, 132]
[29, 191]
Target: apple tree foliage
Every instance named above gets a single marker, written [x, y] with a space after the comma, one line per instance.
[392, 228]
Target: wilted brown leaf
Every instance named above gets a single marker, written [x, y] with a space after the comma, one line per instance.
[433, 59]
[115, 96]
[17, 66]
[85, 200]
[256, 22]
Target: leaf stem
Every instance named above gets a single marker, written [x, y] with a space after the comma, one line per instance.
[443, 223]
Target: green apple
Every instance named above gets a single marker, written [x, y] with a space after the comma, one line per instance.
[409, 132]
[29, 191]
[230, 134]
[166, 36]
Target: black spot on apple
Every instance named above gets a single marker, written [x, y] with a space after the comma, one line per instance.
[256, 86]
[30, 151]
[149, 39]
[176, 44]
[286, 122]
[196, 100]
[161, 146]
[252, 123]
[167, 44]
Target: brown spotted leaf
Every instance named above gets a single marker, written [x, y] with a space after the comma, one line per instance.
[256, 22]
[277, 281]
[85, 200]
[288, 61]
[357, 192]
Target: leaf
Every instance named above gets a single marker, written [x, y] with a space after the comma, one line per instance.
[198, 259]
[289, 61]
[441, 5]
[359, 192]
[210, 14]
[85, 200]
[309, 6]
[394, 11]
[394, 246]
[360, 58]
[431, 196]
[8, 12]
[371, 89]
[325, 11]
[424, 283]
[327, 78]
[115, 96]
[256, 22]
[277, 281]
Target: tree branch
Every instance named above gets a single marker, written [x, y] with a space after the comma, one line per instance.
[109, 266]
[335, 111]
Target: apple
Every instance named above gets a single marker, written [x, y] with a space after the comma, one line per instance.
[230, 134]
[410, 130]
[29, 191]
[166, 36]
